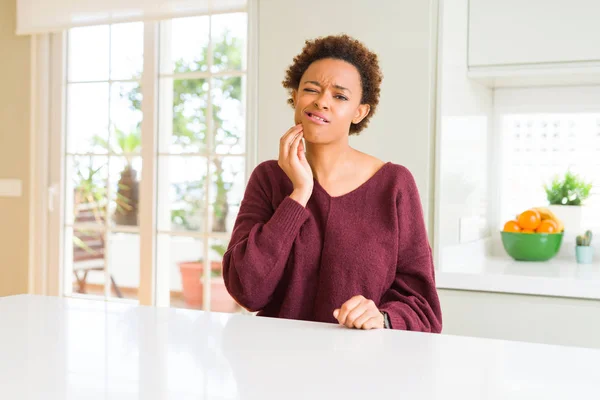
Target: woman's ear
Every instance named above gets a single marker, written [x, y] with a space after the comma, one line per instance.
[294, 95]
[361, 112]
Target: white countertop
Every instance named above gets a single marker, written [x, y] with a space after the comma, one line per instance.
[53, 348]
[556, 277]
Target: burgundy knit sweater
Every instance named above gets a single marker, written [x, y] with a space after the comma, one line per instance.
[288, 261]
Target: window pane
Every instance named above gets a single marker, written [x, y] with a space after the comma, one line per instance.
[229, 120]
[227, 190]
[125, 118]
[182, 255]
[187, 41]
[87, 189]
[181, 193]
[127, 50]
[125, 177]
[124, 262]
[188, 114]
[87, 118]
[229, 32]
[220, 299]
[86, 250]
[88, 53]
[185, 258]
[539, 147]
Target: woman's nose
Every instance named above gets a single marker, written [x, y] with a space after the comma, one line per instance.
[322, 102]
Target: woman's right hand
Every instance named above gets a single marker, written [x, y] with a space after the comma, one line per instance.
[292, 161]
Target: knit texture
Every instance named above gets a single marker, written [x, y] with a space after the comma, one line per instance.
[288, 261]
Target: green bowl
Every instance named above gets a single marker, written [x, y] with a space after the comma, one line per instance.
[531, 246]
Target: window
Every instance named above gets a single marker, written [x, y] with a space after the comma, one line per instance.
[200, 157]
[102, 158]
[540, 146]
[495, 160]
[201, 164]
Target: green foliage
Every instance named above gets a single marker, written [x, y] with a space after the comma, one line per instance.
[220, 249]
[124, 143]
[189, 201]
[190, 127]
[90, 189]
[81, 244]
[91, 194]
[570, 191]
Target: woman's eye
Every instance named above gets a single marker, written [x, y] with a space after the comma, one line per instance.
[310, 90]
[339, 96]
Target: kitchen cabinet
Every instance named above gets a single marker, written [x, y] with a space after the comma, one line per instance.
[534, 42]
[516, 32]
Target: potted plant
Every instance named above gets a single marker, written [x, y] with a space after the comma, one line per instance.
[192, 279]
[584, 251]
[89, 193]
[185, 215]
[127, 196]
[566, 197]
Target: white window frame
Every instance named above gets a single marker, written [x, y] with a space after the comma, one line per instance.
[48, 74]
[47, 112]
[560, 100]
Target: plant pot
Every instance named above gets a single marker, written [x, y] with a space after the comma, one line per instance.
[584, 254]
[571, 216]
[192, 281]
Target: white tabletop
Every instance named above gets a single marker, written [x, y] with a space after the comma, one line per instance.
[53, 348]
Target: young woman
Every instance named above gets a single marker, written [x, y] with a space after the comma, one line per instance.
[328, 233]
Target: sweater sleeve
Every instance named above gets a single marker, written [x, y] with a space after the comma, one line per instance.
[260, 243]
[412, 302]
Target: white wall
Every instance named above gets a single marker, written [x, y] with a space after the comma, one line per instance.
[464, 135]
[551, 320]
[401, 32]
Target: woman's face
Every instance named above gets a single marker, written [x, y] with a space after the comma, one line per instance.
[328, 100]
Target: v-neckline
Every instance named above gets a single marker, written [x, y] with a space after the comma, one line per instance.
[322, 189]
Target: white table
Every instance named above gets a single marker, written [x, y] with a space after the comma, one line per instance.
[53, 348]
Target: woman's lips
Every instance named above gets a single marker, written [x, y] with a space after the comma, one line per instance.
[316, 118]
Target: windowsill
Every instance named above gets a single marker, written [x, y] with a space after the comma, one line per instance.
[556, 277]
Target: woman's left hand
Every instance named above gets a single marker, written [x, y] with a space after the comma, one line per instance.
[360, 313]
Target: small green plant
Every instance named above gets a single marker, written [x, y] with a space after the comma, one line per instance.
[125, 144]
[570, 191]
[89, 201]
[585, 239]
[220, 249]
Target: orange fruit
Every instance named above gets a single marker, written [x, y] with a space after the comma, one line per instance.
[527, 231]
[512, 226]
[530, 219]
[547, 226]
